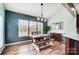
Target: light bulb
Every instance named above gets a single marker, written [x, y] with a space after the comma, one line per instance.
[41, 19]
[45, 20]
[37, 18]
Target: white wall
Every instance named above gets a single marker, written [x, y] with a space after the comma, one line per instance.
[2, 41]
[69, 26]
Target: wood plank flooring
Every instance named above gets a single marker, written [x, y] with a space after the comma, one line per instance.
[27, 49]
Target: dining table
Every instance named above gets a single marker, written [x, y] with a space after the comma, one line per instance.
[41, 41]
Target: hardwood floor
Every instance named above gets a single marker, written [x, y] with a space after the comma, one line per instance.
[27, 49]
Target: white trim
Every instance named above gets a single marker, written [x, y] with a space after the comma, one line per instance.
[12, 44]
[2, 48]
[17, 42]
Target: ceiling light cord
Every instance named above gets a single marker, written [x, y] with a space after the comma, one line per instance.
[41, 10]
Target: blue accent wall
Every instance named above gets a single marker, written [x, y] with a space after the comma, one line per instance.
[11, 24]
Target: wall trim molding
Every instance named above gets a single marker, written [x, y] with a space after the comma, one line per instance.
[2, 49]
[12, 44]
[17, 42]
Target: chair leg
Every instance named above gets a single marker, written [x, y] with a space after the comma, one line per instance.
[36, 47]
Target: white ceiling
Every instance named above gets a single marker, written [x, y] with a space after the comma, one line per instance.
[33, 9]
[77, 7]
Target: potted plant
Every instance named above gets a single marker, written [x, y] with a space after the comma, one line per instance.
[46, 28]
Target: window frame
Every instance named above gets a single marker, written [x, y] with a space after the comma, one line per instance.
[28, 27]
[20, 35]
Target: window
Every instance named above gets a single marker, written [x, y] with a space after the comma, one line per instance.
[22, 27]
[35, 28]
[32, 27]
[40, 28]
[58, 26]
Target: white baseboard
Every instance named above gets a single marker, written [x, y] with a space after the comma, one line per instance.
[12, 44]
[17, 42]
[2, 48]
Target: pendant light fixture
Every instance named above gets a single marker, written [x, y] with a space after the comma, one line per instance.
[42, 19]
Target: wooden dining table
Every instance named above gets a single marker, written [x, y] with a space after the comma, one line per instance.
[40, 41]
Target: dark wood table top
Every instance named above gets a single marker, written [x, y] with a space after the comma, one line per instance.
[40, 36]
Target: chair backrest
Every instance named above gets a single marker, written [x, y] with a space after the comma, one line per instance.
[57, 37]
[51, 35]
